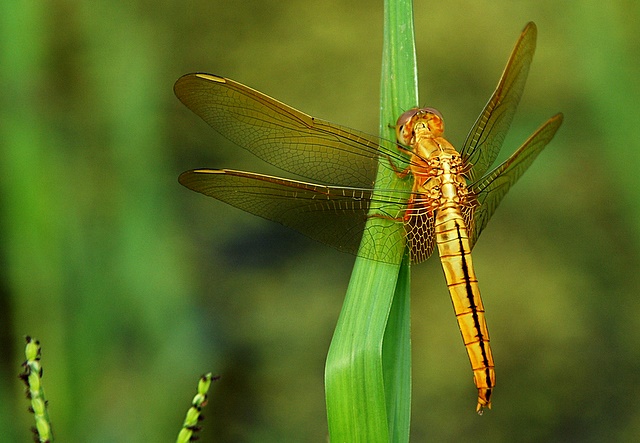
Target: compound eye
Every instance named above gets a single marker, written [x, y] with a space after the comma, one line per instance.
[433, 111]
[407, 115]
[404, 126]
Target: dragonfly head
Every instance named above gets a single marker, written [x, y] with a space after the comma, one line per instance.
[426, 121]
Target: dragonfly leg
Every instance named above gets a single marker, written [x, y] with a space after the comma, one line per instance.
[400, 173]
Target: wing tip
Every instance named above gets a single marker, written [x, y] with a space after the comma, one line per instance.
[186, 78]
[530, 27]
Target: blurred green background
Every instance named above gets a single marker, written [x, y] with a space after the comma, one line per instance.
[136, 286]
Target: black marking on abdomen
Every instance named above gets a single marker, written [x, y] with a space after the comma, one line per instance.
[472, 305]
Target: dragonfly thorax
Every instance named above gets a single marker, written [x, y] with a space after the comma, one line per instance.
[442, 183]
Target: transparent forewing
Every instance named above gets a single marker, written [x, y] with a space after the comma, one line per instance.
[332, 215]
[283, 136]
[483, 143]
[491, 188]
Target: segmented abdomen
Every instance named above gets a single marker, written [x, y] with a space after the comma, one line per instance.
[455, 254]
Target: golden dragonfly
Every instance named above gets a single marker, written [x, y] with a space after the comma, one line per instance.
[452, 197]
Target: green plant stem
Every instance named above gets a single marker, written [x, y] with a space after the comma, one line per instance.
[32, 376]
[190, 426]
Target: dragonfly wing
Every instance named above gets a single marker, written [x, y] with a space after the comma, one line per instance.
[329, 214]
[281, 135]
[483, 143]
[491, 188]
[421, 236]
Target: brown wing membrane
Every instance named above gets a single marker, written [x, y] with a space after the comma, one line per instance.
[332, 215]
[281, 135]
[421, 236]
[491, 188]
[483, 143]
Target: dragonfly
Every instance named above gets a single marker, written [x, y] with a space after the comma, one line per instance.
[452, 195]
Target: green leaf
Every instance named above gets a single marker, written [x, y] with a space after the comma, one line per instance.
[368, 371]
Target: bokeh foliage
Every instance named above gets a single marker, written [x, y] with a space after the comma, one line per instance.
[135, 286]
